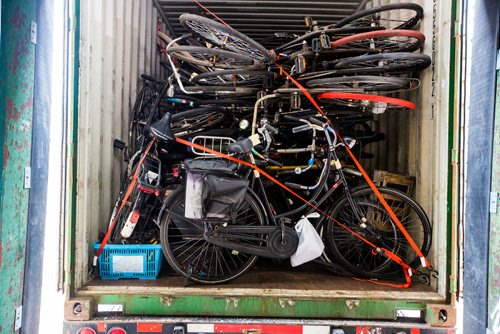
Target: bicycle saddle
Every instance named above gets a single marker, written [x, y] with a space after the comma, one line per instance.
[241, 146]
[161, 129]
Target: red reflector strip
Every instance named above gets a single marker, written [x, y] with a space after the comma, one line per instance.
[149, 328]
[415, 331]
[146, 190]
[134, 217]
[264, 329]
[101, 327]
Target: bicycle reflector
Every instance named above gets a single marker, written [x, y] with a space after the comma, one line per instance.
[86, 330]
[117, 330]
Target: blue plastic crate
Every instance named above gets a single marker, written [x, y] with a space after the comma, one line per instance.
[129, 261]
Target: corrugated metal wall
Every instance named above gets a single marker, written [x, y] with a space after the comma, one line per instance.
[117, 45]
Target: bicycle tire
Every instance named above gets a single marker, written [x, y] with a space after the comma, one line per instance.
[356, 255]
[236, 77]
[139, 115]
[365, 101]
[225, 36]
[211, 57]
[400, 21]
[175, 229]
[361, 83]
[401, 62]
[382, 41]
[334, 32]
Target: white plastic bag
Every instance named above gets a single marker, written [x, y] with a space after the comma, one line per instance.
[310, 244]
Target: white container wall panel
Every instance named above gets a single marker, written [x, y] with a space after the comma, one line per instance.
[417, 141]
[117, 45]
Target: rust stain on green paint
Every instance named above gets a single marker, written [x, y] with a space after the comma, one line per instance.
[17, 64]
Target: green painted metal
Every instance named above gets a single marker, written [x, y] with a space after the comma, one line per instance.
[494, 246]
[154, 305]
[71, 149]
[453, 135]
[17, 62]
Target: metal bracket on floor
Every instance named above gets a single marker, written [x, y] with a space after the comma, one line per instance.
[79, 309]
[441, 315]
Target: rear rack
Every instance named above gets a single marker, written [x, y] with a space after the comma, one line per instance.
[215, 143]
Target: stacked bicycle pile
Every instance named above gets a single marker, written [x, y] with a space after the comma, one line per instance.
[232, 95]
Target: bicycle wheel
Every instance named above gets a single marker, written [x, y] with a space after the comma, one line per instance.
[196, 120]
[296, 44]
[382, 41]
[378, 227]
[375, 103]
[190, 255]
[139, 116]
[225, 36]
[211, 57]
[234, 78]
[403, 62]
[392, 16]
[361, 83]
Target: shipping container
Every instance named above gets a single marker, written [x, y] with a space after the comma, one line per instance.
[115, 42]
[111, 43]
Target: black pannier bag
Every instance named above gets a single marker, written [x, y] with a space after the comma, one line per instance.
[213, 190]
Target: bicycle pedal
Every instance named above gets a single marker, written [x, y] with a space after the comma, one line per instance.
[300, 64]
[316, 45]
[119, 144]
[325, 42]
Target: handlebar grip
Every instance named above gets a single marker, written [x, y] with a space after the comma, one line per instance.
[295, 185]
[316, 121]
[301, 128]
[291, 118]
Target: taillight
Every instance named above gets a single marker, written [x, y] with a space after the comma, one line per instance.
[86, 330]
[117, 330]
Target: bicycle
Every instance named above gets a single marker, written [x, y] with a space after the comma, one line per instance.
[216, 251]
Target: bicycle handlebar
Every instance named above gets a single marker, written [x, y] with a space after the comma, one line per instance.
[316, 121]
[301, 128]
[291, 118]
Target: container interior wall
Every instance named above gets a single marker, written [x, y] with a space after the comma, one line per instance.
[417, 141]
[117, 45]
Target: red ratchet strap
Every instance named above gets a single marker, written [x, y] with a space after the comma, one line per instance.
[124, 200]
[213, 14]
[408, 237]
[374, 98]
[376, 250]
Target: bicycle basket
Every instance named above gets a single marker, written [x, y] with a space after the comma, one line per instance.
[215, 143]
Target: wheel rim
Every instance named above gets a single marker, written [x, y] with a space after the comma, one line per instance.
[361, 261]
[193, 257]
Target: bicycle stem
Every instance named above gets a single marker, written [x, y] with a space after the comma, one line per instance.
[256, 110]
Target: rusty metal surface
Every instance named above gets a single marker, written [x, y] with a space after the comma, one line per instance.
[494, 251]
[16, 98]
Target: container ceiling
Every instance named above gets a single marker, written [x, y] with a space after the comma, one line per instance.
[261, 18]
